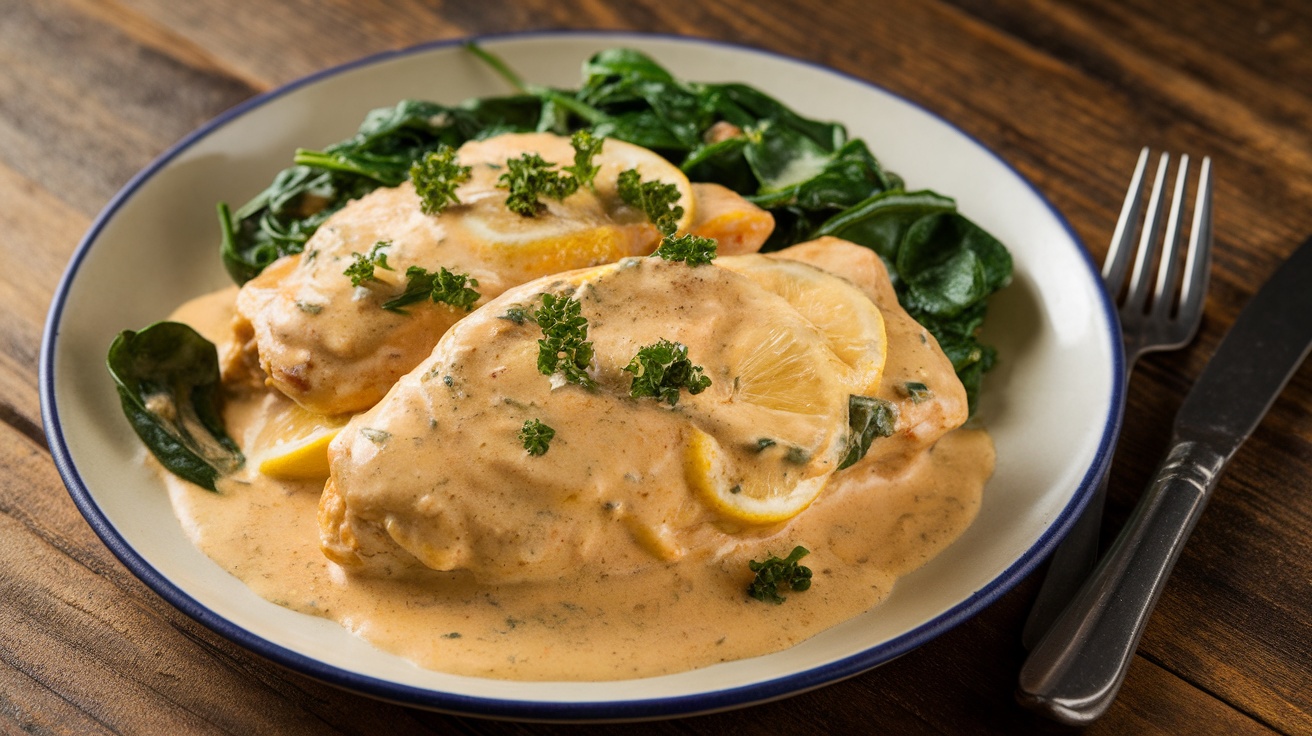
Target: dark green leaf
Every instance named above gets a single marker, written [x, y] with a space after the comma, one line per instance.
[167, 377]
[916, 391]
[881, 222]
[724, 163]
[949, 263]
[867, 418]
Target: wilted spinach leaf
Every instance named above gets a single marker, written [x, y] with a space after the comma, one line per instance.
[168, 382]
[867, 418]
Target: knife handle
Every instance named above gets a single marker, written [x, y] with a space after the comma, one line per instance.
[1074, 673]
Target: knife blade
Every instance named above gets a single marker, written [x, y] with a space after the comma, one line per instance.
[1075, 671]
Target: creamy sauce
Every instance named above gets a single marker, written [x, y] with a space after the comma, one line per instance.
[873, 523]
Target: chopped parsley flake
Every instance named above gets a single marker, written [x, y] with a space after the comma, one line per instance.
[691, 249]
[564, 347]
[363, 264]
[775, 573]
[586, 145]
[661, 369]
[531, 177]
[441, 286]
[657, 199]
[436, 177]
[536, 437]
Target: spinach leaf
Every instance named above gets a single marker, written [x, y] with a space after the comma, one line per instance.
[867, 418]
[882, 221]
[168, 382]
[949, 264]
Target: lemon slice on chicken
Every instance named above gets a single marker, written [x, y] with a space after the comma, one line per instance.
[298, 444]
[793, 385]
[852, 325]
[592, 226]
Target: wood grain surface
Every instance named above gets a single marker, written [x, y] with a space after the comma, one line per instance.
[91, 91]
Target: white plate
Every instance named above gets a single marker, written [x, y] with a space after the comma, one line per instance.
[1050, 404]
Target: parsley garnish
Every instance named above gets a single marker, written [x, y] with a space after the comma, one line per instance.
[774, 572]
[363, 264]
[657, 199]
[586, 145]
[536, 437]
[531, 177]
[661, 369]
[564, 347]
[691, 249]
[441, 286]
[436, 177]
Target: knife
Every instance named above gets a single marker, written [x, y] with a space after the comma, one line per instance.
[1075, 671]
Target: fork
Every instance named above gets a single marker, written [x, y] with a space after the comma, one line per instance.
[1167, 321]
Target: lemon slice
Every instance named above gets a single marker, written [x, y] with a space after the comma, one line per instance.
[852, 325]
[769, 452]
[765, 454]
[590, 227]
[760, 493]
[297, 442]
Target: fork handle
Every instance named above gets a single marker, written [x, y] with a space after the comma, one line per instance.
[1074, 673]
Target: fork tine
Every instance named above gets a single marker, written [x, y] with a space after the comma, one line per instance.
[1168, 273]
[1198, 260]
[1117, 262]
[1149, 243]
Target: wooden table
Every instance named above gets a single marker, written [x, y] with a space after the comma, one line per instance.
[92, 90]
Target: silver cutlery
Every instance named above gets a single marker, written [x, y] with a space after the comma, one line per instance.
[1154, 316]
[1077, 668]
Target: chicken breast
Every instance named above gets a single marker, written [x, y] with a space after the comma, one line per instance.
[329, 344]
[436, 479]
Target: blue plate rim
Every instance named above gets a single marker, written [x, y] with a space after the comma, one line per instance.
[637, 709]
